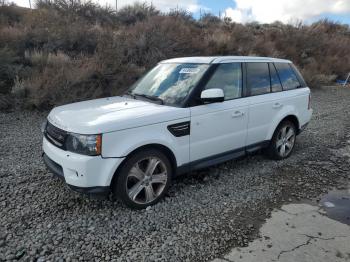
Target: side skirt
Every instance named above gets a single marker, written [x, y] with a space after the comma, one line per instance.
[220, 158]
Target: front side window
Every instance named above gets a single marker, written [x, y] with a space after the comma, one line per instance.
[227, 77]
[169, 82]
[288, 78]
[258, 78]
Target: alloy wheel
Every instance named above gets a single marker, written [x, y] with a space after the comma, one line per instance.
[146, 180]
[285, 140]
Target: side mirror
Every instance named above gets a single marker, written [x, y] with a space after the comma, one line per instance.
[212, 95]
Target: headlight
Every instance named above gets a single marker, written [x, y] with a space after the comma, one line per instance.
[84, 144]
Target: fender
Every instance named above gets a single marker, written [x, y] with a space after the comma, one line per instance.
[285, 111]
[121, 143]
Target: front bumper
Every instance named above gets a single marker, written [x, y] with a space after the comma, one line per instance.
[57, 170]
[84, 174]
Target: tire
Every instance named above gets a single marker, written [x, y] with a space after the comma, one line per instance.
[143, 179]
[283, 141]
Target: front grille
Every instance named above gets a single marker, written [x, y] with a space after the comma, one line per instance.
[55, 135]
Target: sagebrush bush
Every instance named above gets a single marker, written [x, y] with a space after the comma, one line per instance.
[129, 15]
[59, 79]
[87, 10]
[8, 69]
[71, 50]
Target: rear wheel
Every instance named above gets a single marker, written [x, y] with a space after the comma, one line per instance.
[144, 179]
[283, 141]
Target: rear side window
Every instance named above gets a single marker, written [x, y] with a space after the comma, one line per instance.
[275, 81]
[227, 77]
[258, 78]
[287, 76]
[300, 77]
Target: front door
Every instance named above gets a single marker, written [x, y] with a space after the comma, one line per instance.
[220, 128]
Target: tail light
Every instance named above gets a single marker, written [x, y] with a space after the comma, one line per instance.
[309, 104]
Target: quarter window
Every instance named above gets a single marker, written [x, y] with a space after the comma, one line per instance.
[275, 81]
[227, 77]
[288, 78]
[258, 78]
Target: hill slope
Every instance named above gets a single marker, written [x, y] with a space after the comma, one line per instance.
[66, 51]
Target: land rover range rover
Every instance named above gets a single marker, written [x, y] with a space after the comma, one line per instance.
[184, 114]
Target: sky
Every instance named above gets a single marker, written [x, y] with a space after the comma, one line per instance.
[243, 11]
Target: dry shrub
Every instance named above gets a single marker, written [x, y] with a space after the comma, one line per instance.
[220, 41]
[12, 36]
[208, 19]
[41, 60]
[60, 79]
[18, 89]
[148, 42]
[181, 14]
[88, 10]
[315, 79]
[10, 14]
[51, 31]
[8, 69]
[132, 14]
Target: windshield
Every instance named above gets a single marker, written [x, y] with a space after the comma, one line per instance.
[169, 83]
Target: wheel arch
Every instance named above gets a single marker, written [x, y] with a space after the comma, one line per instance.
[164, 149]
[290, 117]
[272, 149]
[294, 120]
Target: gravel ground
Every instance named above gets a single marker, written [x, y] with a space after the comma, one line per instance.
[204, 215]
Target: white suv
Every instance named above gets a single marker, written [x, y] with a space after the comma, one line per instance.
[185, 114]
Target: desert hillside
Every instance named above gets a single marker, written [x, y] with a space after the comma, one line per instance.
[66, 51]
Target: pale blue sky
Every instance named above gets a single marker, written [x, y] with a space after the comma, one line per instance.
[265, 11]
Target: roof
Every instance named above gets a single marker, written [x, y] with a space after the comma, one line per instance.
[223, 59]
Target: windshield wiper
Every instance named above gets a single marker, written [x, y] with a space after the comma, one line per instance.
[153, 98]
[129, 93]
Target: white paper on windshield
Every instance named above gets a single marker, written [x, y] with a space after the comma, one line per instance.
[189, 70]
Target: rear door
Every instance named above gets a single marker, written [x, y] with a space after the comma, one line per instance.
[295, 92]
[273, 87]
[220, 128]
[264, 105]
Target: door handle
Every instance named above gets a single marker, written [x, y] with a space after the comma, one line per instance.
[277, 105]
[237, 114]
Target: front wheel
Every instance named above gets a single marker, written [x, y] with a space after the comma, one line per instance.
[283, 141]
[143, 179]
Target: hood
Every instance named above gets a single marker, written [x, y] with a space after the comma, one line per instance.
[112, 114]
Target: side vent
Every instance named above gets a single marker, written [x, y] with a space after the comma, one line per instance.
[180, 129]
